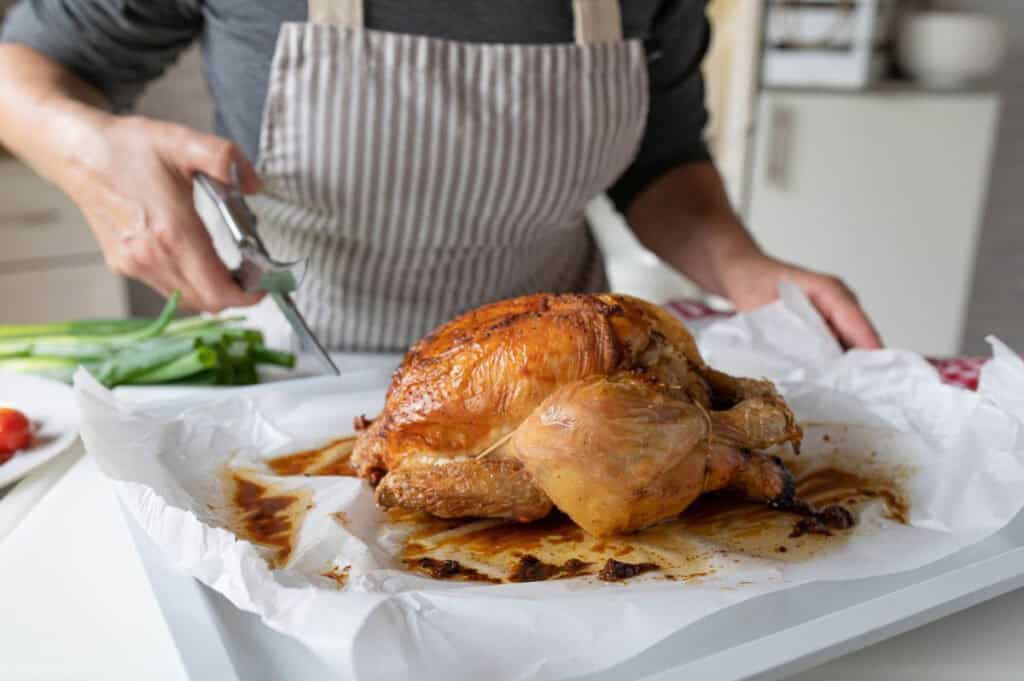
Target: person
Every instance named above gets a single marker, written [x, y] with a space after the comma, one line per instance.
[428, 155]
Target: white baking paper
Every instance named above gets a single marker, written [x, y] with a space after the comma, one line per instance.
[964, 452]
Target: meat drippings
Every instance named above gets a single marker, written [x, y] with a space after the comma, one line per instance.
[616, 571]
[267, 515]
[447, 569]
[896, 507]
[715, 529]
[836, 517]
[338, 576]
[529, 568]
[806, 526]
[683, 549]
[817, 521]
[331, 459]
[552, 548]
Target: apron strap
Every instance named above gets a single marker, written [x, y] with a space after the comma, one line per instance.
[597, 21]
[346, 13]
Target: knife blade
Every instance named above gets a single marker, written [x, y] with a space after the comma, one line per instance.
[307, 339]
[258, 271]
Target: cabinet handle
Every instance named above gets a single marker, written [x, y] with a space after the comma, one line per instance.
[776, 168]
[34, 218]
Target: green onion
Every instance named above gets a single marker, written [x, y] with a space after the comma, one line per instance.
[79, 350]
[243, 370]
[237, 350]
[178, 369]
[264, 355]
[192, 351]
[193, 324]
[58, 368]
[17, 348]
[135, 361]
[208, 377]
[89, 347]
[156, 327]
[246, 374]
[84, 327]
[214, 336]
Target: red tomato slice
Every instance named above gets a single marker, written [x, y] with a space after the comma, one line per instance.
[15, 432]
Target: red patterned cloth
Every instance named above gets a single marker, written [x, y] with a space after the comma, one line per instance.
[690, 309]
[959, 371]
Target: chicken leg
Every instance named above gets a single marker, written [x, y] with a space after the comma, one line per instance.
[617, 454]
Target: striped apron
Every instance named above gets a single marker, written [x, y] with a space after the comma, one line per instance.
[425, 177]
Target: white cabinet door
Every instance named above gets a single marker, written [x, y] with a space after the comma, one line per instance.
[883, 189]
[50, 264]
[36, 220]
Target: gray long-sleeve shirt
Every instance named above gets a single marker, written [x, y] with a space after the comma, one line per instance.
[121, 45]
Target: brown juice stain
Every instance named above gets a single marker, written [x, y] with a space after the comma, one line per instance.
[342, 518]
[616, 571]
[757, 530]
[332, 459]
[447, 569]
[338, 576]
[682, 549]
[554, 547]
[266, 515]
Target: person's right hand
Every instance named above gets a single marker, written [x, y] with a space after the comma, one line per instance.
[135, 189]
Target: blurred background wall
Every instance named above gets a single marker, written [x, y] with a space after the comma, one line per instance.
[996, 304]
[908, 190]
[753, 121]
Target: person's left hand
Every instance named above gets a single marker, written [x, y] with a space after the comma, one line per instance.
[753, 280]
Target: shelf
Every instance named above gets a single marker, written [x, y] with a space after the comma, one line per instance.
[889, 88]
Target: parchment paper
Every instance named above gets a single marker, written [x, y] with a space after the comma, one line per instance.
[964, 453]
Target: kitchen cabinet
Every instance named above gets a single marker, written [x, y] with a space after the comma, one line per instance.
[51, 267]
[883, 188]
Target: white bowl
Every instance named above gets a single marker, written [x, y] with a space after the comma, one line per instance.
[948, 50]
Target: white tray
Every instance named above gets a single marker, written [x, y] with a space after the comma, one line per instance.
[769, 637]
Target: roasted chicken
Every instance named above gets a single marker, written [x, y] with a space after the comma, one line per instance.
[599, 405]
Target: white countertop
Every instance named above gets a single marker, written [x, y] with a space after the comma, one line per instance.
[78, 604]
[76, 600]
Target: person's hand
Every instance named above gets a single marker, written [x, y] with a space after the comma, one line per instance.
[134, 186]
[752, 281]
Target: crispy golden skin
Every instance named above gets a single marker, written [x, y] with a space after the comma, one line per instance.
[489, 488]
[645, 425]
[615, 454]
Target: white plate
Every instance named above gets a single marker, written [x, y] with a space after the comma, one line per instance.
[51, 407]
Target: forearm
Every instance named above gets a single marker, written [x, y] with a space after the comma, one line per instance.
[48, 116]
[686, 219]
